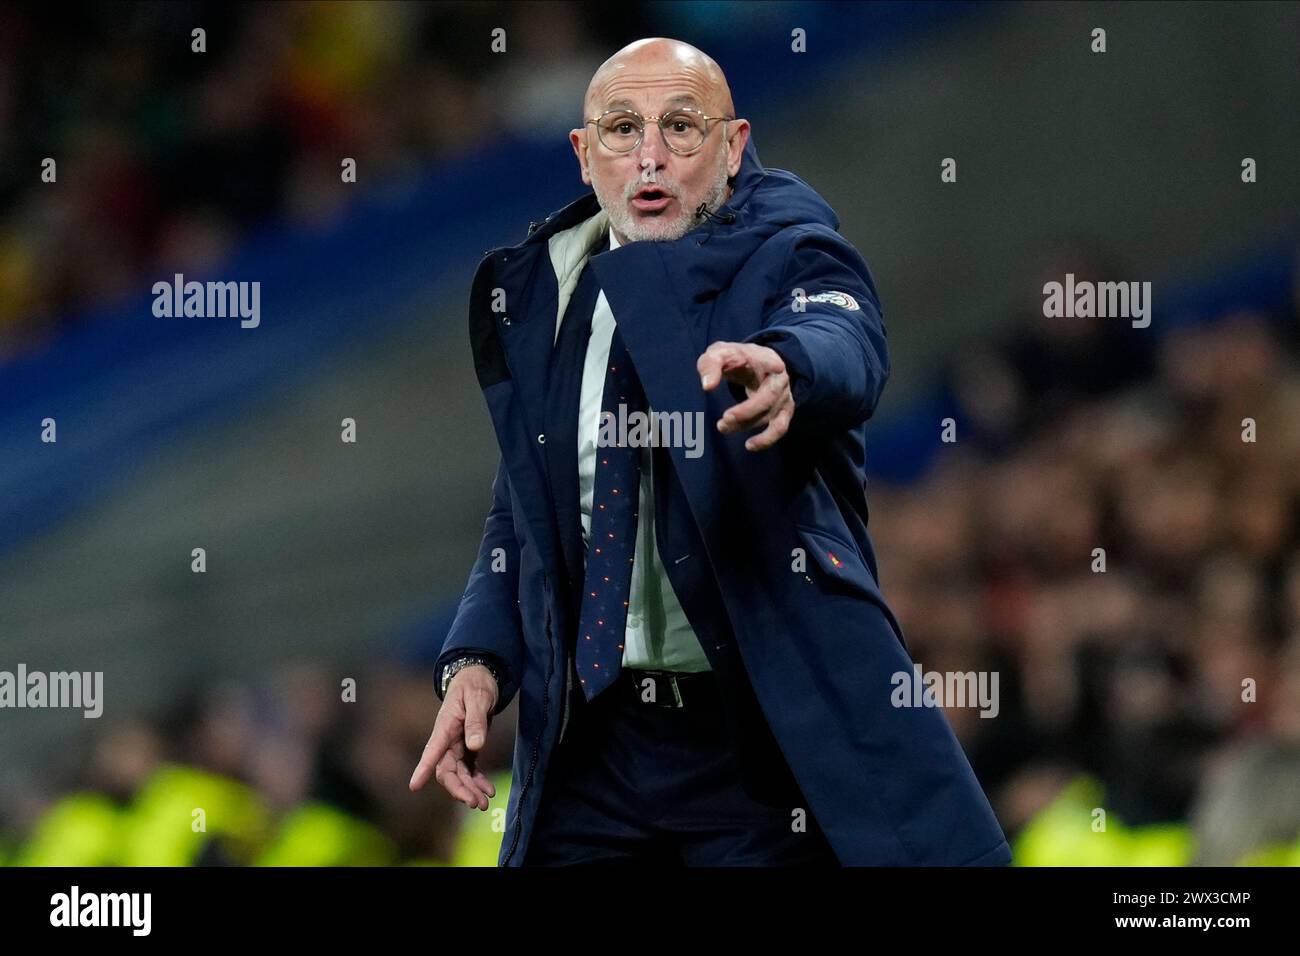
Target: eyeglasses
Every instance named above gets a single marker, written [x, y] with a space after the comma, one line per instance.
[683, 130]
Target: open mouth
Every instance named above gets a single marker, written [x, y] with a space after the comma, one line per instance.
[651, 200]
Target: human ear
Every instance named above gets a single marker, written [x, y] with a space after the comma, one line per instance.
[736, 144]
[580, 151]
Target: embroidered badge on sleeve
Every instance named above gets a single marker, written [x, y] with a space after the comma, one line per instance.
[842, 299]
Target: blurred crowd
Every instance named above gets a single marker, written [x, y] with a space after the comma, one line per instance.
[1116, 532]
[309, 767]
[166, 157]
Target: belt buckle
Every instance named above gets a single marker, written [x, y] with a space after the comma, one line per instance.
[677, 694]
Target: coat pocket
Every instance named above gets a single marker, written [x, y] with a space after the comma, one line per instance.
[839, 562]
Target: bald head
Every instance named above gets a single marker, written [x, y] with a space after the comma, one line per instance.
[652, 61]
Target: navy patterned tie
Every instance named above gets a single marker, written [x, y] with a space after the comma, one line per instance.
[610, 550]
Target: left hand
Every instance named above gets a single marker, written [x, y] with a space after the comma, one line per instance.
[767, 384]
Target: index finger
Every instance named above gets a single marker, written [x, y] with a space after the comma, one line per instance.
[444, 732]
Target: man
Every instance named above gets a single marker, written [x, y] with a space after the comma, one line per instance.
[701, 651]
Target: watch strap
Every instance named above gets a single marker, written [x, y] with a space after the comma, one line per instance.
[454, 666]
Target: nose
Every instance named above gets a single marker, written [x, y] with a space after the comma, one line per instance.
[653, 146]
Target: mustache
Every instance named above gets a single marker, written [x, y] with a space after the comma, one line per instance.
[662, 183]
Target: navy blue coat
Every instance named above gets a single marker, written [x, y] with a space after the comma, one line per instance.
[812, 649]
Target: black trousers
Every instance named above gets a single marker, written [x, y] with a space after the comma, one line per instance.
[635, 782]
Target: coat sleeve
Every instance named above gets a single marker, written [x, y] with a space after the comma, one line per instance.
[832, 336]
[487, 621]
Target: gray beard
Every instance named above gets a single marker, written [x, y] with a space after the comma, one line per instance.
[625, 223]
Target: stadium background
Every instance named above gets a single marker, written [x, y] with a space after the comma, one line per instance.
[329, 560]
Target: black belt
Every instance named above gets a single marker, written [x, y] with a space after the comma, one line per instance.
[672, 689]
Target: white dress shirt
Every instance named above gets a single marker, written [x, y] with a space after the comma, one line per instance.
[658, 635]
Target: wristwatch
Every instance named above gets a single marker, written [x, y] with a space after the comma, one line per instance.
[460, 663]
